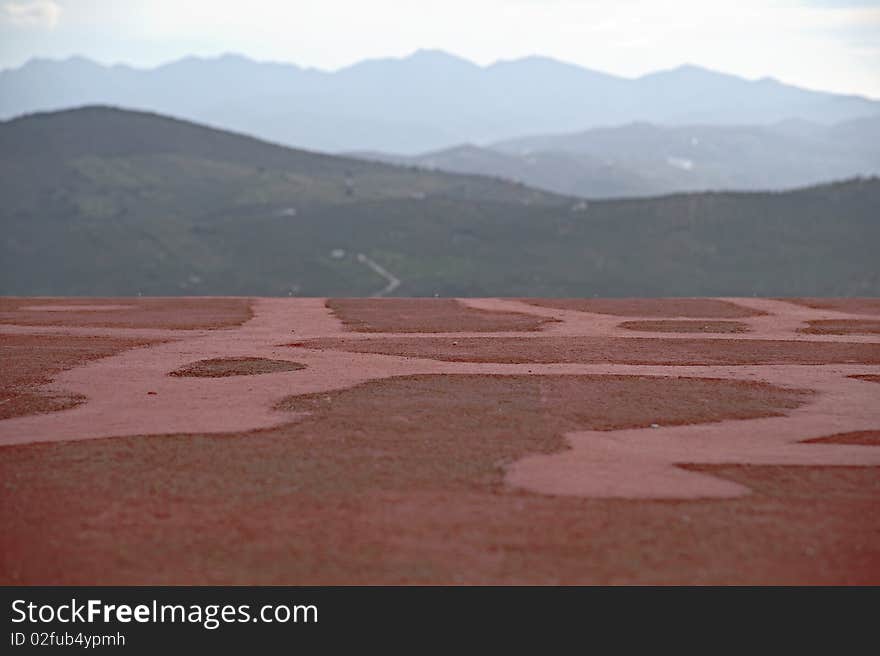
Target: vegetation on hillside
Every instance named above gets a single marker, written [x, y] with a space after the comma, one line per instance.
[100, 201]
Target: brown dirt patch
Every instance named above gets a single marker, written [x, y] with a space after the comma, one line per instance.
[171, 313]
[557, 403]
[864, 305]
[868, 377]
[222, 367]
[673, 326]
[650, 307]
[426, 315]
[800, 481]
[401, 481]
[842, 327]
[869, 438]
[18, 403]
[595, 350]
[30, 361]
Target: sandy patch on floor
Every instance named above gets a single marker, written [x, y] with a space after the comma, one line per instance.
[243, 366]
[74, 308]
[170, 312]
[842, 327]
[634, 350]
[861, 305]
[650, 307]
[869, 437]
[31, 361]
[680, 326]
[426, 315]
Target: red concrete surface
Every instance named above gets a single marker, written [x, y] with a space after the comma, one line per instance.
[223, 367]
[703, 308]
[856, 437]
[551, 444]
[174, 313]
[426, 315]
[592, 350]
[856, 306]
[842, 327]
[686, 326]
[30, 362]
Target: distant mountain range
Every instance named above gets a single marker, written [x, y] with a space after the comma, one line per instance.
[427, 101]
[99, 201]
[641, 159]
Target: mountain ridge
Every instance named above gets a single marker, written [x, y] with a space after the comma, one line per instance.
[426, 101]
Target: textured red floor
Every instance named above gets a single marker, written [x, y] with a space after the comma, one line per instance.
[634, 350]
[650, 307]
[842, 327]
[425, 315]
[686, 326]
[851, 305]
[30, 361]
[401, 477]
[223, 367]
[173, 313]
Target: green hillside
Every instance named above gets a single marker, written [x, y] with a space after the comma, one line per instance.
[99, 201]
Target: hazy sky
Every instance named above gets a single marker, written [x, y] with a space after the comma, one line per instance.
[823, 44]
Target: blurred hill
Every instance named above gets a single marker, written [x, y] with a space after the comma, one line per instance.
[99, 201]
[642, 159]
